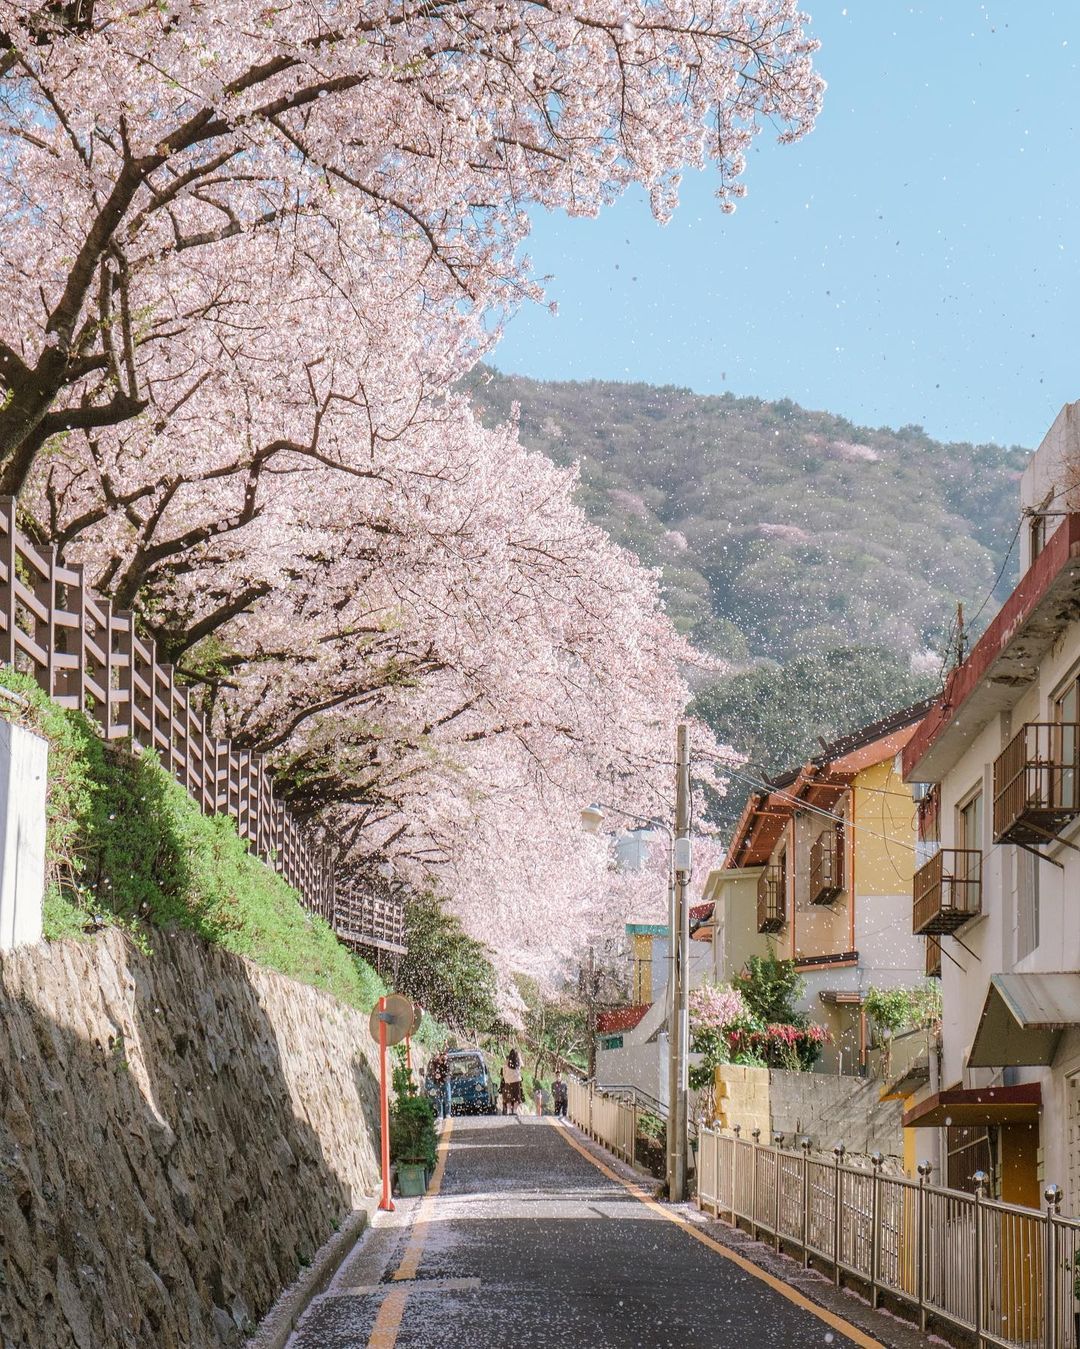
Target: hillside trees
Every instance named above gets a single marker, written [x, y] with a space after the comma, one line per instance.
[244, 255]
[446, 970]
[777, 716]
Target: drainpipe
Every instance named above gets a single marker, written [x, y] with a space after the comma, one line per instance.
[851, 873]
[789, 879]
[935, 1086]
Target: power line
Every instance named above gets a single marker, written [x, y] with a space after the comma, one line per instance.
[1001, 569]
[819, 810]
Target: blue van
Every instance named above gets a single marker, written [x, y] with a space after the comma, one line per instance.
[472, 1092]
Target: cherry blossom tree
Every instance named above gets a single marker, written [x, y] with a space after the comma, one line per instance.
[244, 257]
[174, 176]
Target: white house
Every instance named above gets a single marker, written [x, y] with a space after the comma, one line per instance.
[1001, 890]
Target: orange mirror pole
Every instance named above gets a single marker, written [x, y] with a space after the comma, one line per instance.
[408, 1052]
[385, 1203]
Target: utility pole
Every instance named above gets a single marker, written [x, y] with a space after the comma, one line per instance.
[672, 1002]
[679, 1025]
[590, 993]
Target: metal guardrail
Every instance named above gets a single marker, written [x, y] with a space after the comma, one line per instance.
[607, 1120]
[1002, 1273]
[645, 1101]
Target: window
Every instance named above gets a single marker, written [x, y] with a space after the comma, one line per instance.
[1067, 715]
[969, 839]
[970, 1149]
[969, 831]
[1037, 527]
[1027, 903]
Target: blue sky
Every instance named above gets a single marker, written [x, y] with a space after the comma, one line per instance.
[915, 259]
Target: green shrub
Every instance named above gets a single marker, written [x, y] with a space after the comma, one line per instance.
[412, 1122]
[127, 845]
[771, 988]
[899, 1009]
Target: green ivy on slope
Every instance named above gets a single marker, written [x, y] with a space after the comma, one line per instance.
[127, 845]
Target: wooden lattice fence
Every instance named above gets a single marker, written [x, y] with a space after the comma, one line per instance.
[85, 654]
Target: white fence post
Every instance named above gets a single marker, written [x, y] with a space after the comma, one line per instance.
[980, 1178]
[924, 1169]
[1053, 1196]
[877, 1161]
[838, 1209]
[24, 760]
[805, 1145]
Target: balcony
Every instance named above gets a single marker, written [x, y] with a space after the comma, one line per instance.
[1037, 783]
[948, 891]
[771, 899]
[933, 957]
[826, 867]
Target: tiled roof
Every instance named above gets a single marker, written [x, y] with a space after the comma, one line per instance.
[620, 1018]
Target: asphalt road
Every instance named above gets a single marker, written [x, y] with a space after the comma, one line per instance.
[529, 1244]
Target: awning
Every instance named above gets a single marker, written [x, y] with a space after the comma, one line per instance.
[842, 997]
[1023, 1018]
[977, 1105]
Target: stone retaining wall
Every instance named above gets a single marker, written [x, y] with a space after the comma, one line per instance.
[828, 1109]
[822, 1107]
[179, 1133]
[741, 1095]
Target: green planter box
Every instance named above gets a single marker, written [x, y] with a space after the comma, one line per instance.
[411, 1178]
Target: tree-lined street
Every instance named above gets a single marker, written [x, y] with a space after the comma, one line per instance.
[528, 1242]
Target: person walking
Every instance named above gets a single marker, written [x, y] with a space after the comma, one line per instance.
[538, 1096]
[440, 1075]
[512, 1082]
[560, 1095]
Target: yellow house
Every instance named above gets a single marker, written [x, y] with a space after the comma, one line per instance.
[820, 867]
[649, 945]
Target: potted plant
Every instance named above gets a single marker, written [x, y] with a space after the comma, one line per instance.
[412, 1135]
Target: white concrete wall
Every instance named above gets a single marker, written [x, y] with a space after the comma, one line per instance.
[643, 1066]
[991, 939]
[735, 935]
[1053, 471]
[23, 769]
[889, 955]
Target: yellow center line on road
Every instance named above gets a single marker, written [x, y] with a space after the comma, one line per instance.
[387, 1325]
[853, 1333]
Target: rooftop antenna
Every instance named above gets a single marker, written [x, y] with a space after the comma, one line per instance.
[961, 636]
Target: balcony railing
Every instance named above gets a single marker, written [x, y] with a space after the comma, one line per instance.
[826, 868]
[948, 891]
[1037, 782]
[771, 899]
[933, 957]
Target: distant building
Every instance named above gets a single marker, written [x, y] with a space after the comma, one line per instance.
[632, 1041]
[1000, 892]
[820, 868]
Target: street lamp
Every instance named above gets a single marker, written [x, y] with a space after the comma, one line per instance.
[592, 817]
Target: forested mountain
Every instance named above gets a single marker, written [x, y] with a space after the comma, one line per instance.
[824, 560]
[780, 530]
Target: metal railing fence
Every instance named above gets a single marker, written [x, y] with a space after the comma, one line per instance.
[1003, 1273]
[87, 655]
[607, 1120]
